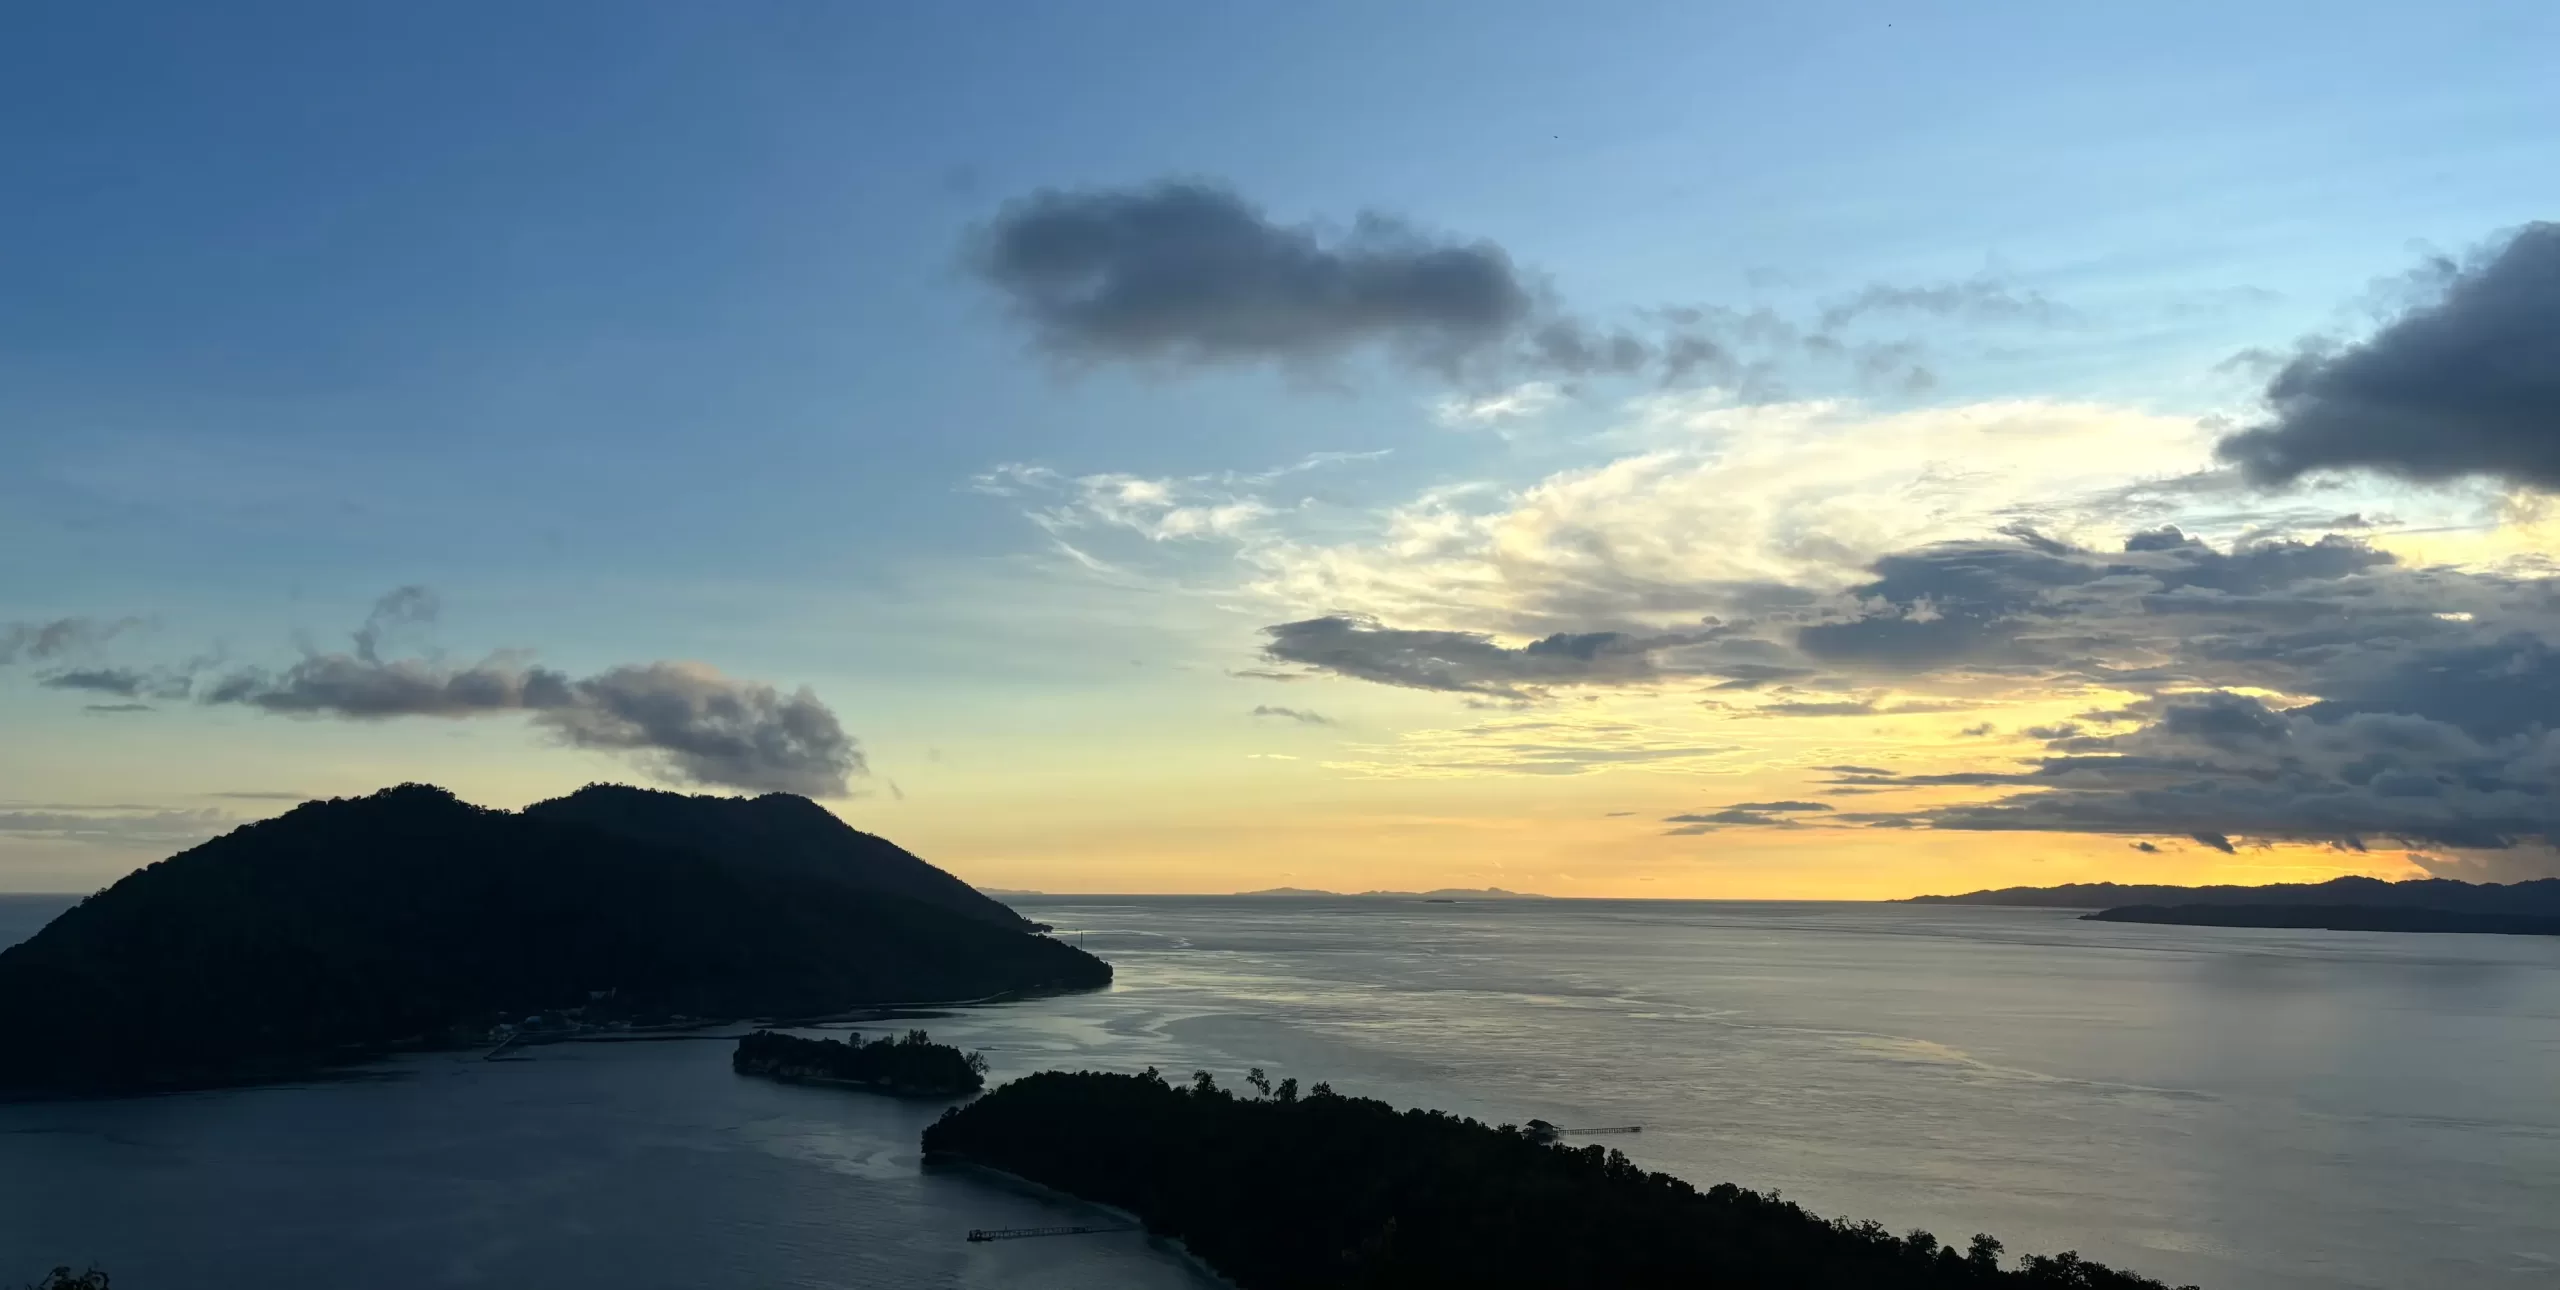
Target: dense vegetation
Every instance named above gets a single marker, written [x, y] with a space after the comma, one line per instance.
[1282, 1192]
[2335, 918]
[344, 928]
[2539, 897]
[909, 1064]
[780, 832]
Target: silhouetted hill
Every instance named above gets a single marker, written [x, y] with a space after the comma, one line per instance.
[345, 928]
[2540, 897]
[2334, 918]
[777, 831]
[1324, 1192]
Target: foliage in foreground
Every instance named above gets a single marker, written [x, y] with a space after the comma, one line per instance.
[1282, 1192]
[911, 1063]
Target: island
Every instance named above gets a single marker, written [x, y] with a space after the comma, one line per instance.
[346, 929]
[1279, 1191]
[2334, 918]
[912, 1065]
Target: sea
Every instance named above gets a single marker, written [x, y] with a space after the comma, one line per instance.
[2235, 1108]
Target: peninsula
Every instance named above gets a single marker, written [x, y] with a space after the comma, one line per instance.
[345, 929]
[1278, 1191]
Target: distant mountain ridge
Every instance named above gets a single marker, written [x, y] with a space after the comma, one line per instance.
[1437, 893]
[2539, 897]
[408, 918]
[2333, 918]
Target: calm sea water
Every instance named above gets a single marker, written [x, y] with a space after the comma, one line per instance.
[2248, 1110]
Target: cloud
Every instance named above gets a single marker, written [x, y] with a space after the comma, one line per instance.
[2465, 385]
[117, 707]
[1770, 807]
[1847, 708]
[1187, 273]
[131, 683]
[685, 721]
[2219, 767]
[701, 727]
[1800, 499]
[1983, 299]
[1525, 746]
[1465, 662]
[1302, 716]
[122, 825]
[1520, 402]
[58, 638]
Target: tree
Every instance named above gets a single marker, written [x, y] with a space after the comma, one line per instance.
[1985, 1252]
[1261, 1082]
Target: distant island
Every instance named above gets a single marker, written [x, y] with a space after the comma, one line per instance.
[349, 928]
[1278, 1191]
[1436, 893]
[2539, 897]
[2334, 918]
[911, 1065]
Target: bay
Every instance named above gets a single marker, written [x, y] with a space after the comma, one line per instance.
[2245, 1109]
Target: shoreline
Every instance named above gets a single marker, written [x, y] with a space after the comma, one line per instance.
[958, 1162]
[353, 1066]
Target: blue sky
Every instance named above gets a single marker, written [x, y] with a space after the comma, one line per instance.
[645, 332]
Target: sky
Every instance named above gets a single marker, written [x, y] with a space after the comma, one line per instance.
[1829, 450]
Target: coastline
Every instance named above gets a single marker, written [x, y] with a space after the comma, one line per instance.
[351, 1065]
[958, 1162]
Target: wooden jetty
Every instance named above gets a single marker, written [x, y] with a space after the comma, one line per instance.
[1020, 1233]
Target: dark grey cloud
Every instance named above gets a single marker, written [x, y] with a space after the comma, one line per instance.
[2221, 768]
[58, 638]
[2024, 603]
[1744, 814]
[684, 721]
[1978, 730]
[2152, 848]
[1188, 272]
[1302, 716]
[701, 727]
[1466, 662]
[2467, 384]
[117, 707]
[127, 682]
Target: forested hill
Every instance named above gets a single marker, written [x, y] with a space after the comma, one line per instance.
[777, 831]
[1323, 1192]
[348, 927]
[2540, 897]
